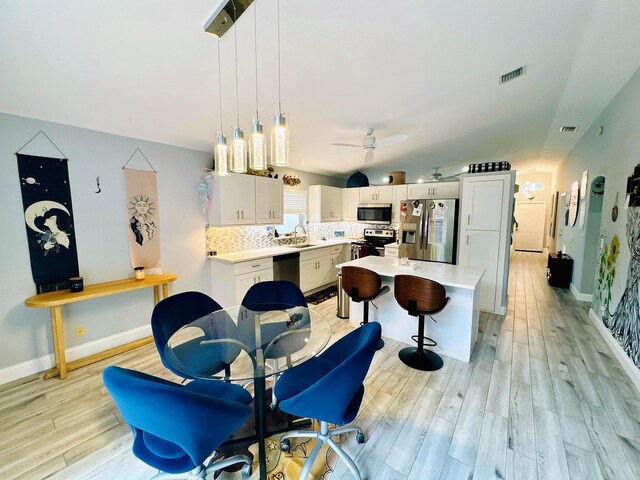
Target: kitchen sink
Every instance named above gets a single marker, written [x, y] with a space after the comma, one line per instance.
[301, 245]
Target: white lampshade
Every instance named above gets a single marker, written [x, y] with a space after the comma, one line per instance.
[280, 142]
[257, 147]
[222, 155]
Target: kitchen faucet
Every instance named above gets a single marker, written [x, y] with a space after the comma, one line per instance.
[295, 232]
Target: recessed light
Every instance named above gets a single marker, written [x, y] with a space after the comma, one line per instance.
[420, 180]
[385, 180]
[465, 169]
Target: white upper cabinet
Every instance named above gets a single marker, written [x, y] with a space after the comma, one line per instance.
[269, 201]
[435, 190]
[325, 203]
[234, 200]
[350, 201]
[399, 194]
[379, 194]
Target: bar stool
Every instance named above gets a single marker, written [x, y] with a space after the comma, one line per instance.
[363, 285]
[420, 297]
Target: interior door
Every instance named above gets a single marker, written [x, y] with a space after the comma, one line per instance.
[531, 226]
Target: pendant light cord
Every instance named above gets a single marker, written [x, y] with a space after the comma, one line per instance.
[220, 85]
[255, 31]
[235, 36]
[279, 107]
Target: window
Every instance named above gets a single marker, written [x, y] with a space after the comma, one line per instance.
[295, 210]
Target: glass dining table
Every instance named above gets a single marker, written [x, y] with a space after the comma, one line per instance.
[242, 345]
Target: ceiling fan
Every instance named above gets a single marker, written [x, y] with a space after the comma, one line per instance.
[369, 143]
[436, 176]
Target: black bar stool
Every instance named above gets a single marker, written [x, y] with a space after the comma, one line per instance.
[420, 297]
[363, 285]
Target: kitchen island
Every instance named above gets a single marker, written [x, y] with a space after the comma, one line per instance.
[457, 326]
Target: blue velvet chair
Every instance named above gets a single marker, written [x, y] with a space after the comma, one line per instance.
[177, 427]
[279, 338]
[329, 388]
[178, 310]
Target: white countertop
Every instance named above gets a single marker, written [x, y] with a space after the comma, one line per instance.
[444, 273]
[247, 255]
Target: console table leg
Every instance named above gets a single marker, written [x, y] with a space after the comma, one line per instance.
[58, 341]
[165, 290]
[156, 294]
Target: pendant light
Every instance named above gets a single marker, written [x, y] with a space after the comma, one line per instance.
[238, 145]
[221, 149]
[257, 145]
[279, 132]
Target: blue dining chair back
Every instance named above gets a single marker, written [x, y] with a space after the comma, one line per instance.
[176, 311]
[279, 338]
[329, 388]
[177, 427]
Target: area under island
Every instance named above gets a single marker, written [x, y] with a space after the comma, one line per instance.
[457, 326]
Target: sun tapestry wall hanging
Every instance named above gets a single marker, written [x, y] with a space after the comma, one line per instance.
[141, 189]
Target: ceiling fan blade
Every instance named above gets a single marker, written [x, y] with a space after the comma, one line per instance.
[346, 145]
[391, 140]
[368, 156]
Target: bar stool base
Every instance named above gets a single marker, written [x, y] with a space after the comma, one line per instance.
[380, 345]
[424, 360]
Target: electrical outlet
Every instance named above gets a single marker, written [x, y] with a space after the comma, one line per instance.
[79, 331]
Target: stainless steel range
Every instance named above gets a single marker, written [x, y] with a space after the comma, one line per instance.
[373, 244]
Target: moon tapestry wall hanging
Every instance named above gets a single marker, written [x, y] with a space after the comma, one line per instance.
[48, 217]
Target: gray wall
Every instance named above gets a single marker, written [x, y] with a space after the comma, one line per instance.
[101, 233]
[613, 155]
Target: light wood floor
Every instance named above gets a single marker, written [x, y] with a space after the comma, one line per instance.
[543, 398]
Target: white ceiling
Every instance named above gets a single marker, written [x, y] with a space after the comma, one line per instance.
[430, 69]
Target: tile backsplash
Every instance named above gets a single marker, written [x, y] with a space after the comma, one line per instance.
[235, 239]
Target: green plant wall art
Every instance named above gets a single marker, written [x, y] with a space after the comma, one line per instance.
[607, 273]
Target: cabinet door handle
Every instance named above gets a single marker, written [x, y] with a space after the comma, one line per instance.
[259, 279]
[468, 219]
[238, 214]
[467, 239]
[242, 214]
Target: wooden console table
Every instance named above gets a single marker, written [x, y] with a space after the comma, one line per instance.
[55, 300]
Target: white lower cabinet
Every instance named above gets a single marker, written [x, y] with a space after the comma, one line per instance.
[318, 267]
[231, 281]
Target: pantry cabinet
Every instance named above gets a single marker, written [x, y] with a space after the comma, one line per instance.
[486, 213]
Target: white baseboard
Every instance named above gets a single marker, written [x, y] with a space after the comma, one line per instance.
[581, 297]
[46, 362]
[627, 364]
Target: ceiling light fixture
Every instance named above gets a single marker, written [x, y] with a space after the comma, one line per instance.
[279, 132]
[257, 145]
[221, 150]
[239, 146]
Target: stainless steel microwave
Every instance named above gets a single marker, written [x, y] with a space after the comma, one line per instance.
[374, 213]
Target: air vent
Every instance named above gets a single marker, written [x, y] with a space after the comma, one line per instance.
[568, 129]
[518, 72]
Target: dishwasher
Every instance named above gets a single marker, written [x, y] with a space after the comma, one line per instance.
[287, 267]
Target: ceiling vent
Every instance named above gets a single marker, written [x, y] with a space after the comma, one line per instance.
[518, 72]
[568, 129]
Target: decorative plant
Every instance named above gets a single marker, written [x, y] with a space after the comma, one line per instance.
[292, 180]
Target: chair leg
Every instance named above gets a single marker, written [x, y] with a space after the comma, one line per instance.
[224, 463]
[365, 320]
[419, 358]
[322, 436]
[346, 458]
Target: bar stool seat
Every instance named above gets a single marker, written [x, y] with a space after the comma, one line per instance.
[420, 297]
[363, 285]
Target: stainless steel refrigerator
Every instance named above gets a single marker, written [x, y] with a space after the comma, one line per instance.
[429, 230]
